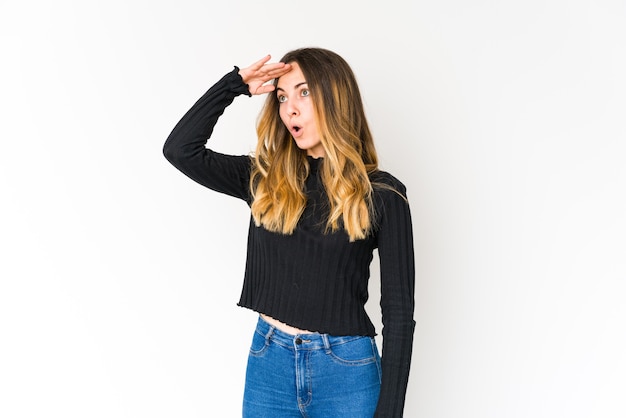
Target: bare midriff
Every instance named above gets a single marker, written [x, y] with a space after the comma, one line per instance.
[284, 327]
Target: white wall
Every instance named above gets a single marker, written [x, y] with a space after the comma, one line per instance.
[119, 276]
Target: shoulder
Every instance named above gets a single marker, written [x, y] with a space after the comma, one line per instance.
[384, 183]
[390, 203]
[389, 195]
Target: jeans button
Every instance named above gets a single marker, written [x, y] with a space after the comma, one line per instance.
[298, 340]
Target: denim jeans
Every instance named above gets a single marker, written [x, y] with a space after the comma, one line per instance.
[310, 375]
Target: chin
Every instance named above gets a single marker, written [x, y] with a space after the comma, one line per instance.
[302, 146]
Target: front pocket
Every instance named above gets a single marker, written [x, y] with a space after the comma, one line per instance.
[356, 352]
[259, 344]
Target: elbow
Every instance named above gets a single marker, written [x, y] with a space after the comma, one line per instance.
[167, 152]
[171, 153]
[180, 156]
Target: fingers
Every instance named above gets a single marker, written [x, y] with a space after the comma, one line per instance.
[265, 88]
[262, 69]
[270, 71]
[260, 72]
[277, 69]
[257, 65]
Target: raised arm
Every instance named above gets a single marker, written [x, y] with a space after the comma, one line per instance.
[185, 147]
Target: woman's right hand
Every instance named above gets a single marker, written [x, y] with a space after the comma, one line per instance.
[259, 73]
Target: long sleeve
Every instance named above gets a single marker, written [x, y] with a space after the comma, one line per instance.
[185, 146]
[397, 271]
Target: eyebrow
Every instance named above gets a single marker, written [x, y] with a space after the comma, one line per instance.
[295, 87]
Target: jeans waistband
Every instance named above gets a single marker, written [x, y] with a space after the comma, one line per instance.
[313, 341]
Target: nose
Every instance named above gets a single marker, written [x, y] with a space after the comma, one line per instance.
[292, 108]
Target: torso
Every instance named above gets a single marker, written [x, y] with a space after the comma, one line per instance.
[284, 327]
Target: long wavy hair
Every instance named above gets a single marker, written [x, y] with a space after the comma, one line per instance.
[280, 168]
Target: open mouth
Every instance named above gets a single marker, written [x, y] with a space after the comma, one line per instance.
[296, 129]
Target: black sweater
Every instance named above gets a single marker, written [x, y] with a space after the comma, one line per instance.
[311, 279]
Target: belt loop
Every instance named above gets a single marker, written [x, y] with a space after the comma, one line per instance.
[269, 334]
[326, 343]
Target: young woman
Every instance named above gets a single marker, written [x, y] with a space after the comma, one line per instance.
[319, 208]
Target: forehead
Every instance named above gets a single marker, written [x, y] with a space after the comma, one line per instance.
[292, 78]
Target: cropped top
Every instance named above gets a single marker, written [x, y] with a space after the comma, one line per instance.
[313, 279]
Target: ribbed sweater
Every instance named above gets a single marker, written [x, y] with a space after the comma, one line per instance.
[313, 279]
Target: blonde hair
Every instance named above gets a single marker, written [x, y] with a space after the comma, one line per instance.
[280, 168]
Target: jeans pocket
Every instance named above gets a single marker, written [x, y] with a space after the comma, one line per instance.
[354, 352]
[259, 345]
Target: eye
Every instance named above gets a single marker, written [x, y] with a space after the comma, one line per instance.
[305, 92]
[282, 98]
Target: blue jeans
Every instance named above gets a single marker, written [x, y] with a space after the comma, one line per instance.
[310, 375]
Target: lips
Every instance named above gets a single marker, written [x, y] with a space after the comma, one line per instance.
[296, 131]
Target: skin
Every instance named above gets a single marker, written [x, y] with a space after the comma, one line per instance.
[296, 106]
[296, 110]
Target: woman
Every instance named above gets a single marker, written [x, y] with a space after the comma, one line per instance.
[319, 207]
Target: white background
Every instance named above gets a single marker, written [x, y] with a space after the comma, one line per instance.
[120, 276]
